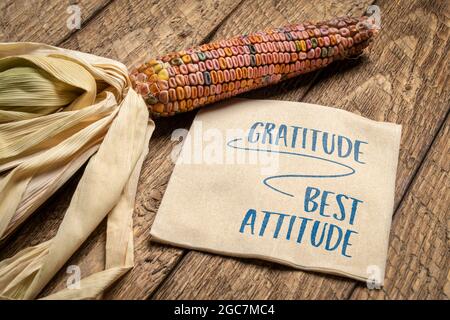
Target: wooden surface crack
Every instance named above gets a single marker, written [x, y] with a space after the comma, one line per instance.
[85, 22]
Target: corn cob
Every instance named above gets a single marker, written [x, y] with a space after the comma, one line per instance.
[185, 80]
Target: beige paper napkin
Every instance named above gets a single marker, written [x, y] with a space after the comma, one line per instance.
[304, 185]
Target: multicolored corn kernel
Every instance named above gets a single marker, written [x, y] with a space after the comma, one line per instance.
[189, 79]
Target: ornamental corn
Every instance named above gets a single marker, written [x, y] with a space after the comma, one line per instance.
[185, 80]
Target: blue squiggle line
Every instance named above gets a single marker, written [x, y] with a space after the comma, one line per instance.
[265, 181]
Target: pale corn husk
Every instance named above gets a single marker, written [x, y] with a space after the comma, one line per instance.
[54, 116]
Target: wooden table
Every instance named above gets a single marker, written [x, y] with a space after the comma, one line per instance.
[405, 79]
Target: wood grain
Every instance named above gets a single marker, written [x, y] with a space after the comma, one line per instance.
[404, 80]
[42, 20]
[419, 256]
[132, 31]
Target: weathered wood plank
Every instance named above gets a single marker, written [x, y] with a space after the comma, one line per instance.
[131, 32]
[41, 20]
[419, 255]
[128, 31]
[404, 80]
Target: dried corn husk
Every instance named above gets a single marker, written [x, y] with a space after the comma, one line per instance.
[58, 108]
